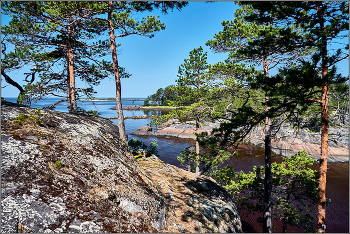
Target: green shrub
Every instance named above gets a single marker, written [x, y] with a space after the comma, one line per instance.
[38, 112]
[136, 144]
[151, 149]
[92, 112]
[294, 186]
[20, 119]
[34, 118]
[58, 165]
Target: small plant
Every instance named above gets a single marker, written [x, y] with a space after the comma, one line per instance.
[79, 109]
[105, 171]
[136, 144]
[34, 118]
[151, 149]
[58, 165]
[20, 119]
[93, 112]
[38, 112]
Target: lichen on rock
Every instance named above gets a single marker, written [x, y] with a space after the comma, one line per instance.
[193, 204]
[72, 173]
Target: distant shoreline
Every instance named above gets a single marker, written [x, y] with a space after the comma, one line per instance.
[113, 99]
[155, 108]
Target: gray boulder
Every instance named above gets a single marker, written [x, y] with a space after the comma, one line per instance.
[72, 173]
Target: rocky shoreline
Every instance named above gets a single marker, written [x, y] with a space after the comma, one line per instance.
[136, 117]
[109, 99]
[154, 108]
[286, 142]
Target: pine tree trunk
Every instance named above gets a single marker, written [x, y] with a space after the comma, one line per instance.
[118, 100]
[268, 179]
[267, 223]
[72, 106]
[197, 144]
[197, 126]
[324, 134]
[189, 162]
[69, 103]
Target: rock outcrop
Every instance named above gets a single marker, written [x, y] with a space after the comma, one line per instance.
[173, 128]
[71, 173]
[193, 204]
[286, 142]
[136, 117]
[156, 108]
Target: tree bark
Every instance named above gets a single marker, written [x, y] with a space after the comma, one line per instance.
[267, 223]
[197, 127]
[118, 100]
[72, 106]
[197, 144]
[189, 162]
[69, 103]
[324, 131]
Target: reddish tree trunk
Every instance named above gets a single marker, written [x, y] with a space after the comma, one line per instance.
[324, 133]
[72, 104]
[69, 103]
[118, 100]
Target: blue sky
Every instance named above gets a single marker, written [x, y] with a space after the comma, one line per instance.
[154, 62]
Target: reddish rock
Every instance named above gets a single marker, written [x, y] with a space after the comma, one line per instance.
[168, 123]
[291, 146]
[286, 143]
[144, 129]
[169, 131]
[190, 133]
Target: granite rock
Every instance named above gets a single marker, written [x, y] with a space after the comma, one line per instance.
[72, 173]
[286, 141]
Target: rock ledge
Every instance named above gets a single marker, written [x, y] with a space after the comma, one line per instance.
[70, 173]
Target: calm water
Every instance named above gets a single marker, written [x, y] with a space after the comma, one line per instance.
[337, 213]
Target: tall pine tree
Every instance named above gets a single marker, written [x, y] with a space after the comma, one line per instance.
[121, 23]
[324, 24]
[253, 37]
[65, 33]
[192, 85]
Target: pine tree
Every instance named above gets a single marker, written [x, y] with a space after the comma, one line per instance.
[120, 23]
[324, 23]
[192, 87]
[63, 31]
[254, 37]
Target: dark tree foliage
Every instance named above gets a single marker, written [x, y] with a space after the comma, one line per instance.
[299, 84]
